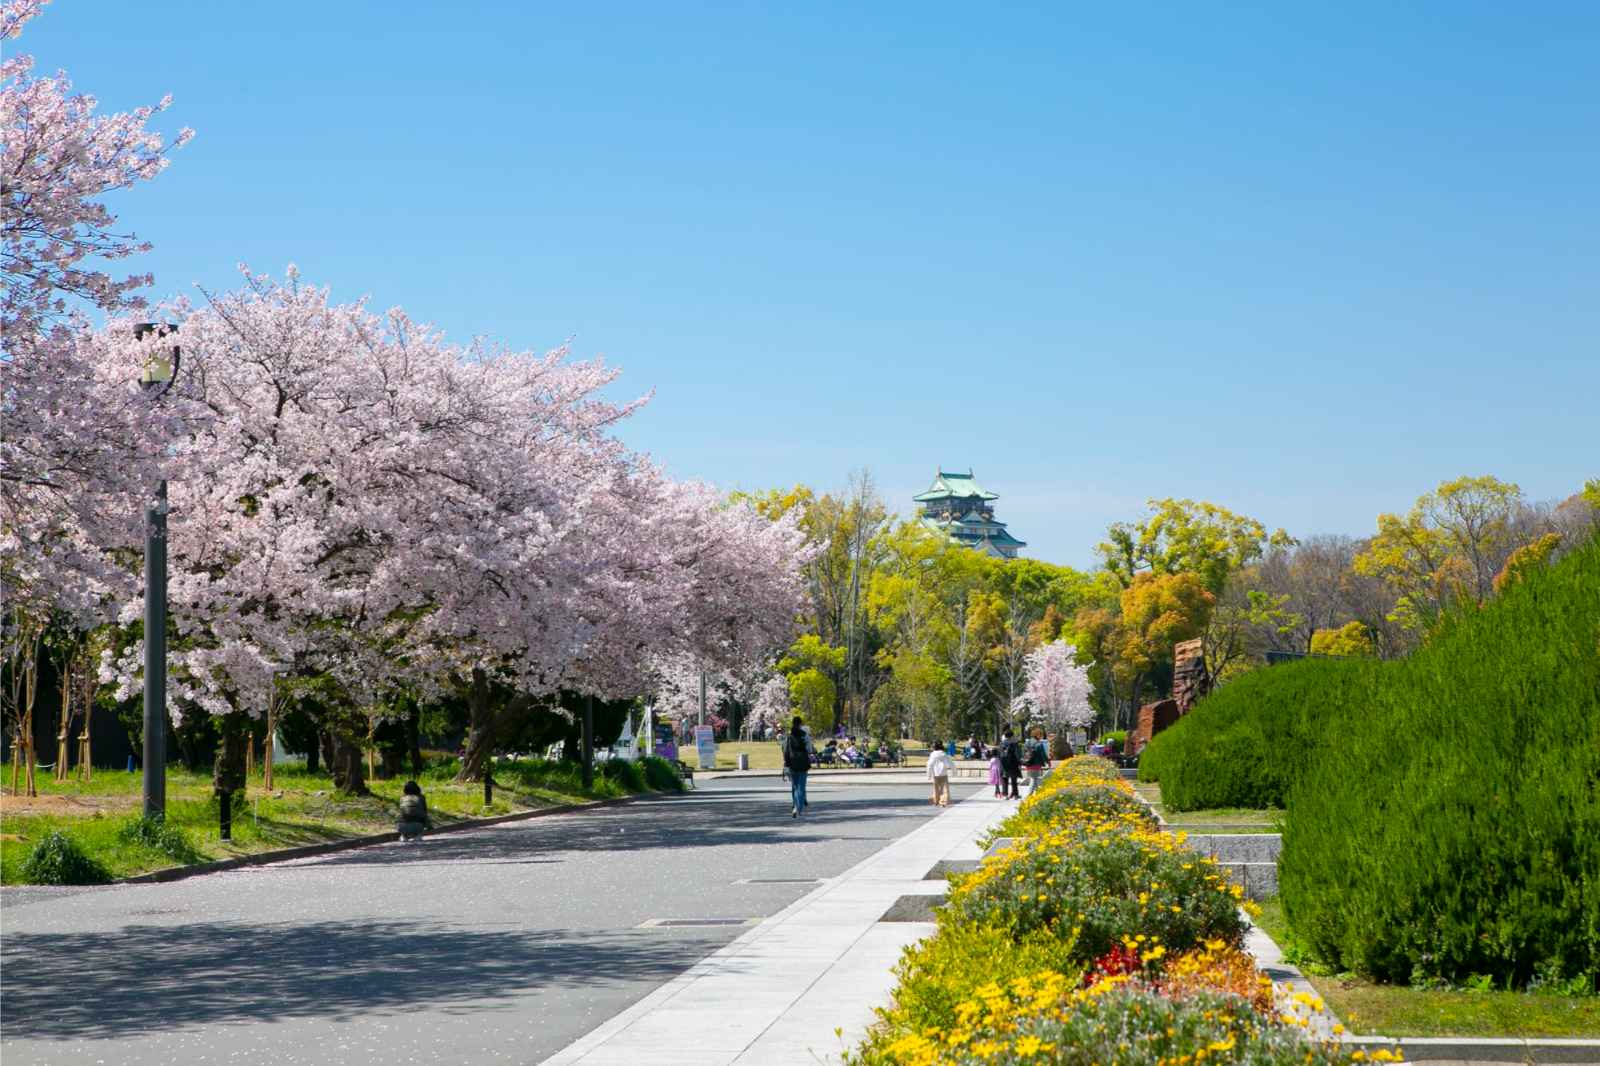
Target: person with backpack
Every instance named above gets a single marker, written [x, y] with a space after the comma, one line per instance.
[797, 760]
[1038, 760]
[413, 813]
[1010, 764]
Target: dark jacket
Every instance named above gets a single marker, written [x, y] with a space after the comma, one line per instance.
[1038, 757]
[795, 755]
[413, 812]
[1010, 755]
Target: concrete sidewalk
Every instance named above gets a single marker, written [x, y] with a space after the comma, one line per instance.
[775, 995]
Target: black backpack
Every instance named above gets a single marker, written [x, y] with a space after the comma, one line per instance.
[1010, 755]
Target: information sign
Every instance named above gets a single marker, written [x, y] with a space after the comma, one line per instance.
[705, 745]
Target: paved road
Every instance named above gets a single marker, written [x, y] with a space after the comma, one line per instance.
[498, 945]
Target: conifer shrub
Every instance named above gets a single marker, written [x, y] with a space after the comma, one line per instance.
[1450, 826]
[1246, 743]
[58, 860]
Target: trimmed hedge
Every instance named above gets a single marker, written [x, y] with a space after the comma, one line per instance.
[1451, 825]
[1246, 743]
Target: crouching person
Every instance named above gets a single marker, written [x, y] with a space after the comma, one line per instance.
[413, 812]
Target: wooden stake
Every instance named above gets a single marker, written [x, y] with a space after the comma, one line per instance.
[249, 761]
[85, 766]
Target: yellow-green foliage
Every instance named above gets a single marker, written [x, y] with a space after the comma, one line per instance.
[1350, 641]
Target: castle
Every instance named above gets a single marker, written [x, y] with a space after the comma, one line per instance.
[957, 506]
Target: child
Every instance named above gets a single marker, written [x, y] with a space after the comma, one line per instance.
[994, 771]
[413, 812]
[939, 773]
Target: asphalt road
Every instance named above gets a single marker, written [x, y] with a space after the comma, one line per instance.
[498, 945]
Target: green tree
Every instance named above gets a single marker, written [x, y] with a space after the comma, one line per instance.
[1351, 640]
[1447, 550]
[1185, 536]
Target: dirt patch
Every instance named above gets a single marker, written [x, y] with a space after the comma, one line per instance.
[66, 806]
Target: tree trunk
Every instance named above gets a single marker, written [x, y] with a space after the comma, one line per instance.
[414, 740]
[346, 764]
[325, 742]
[314, 756]
[480, 729]
[228, 772]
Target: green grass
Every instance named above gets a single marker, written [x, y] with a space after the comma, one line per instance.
[1395, 1010]
[302, 808]
[1213, 820]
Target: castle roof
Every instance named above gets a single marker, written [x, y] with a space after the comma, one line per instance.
[949, 485]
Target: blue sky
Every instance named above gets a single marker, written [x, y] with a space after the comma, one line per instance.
[1302, 260]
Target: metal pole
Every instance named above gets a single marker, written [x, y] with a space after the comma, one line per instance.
[155, 655]
[588, 742]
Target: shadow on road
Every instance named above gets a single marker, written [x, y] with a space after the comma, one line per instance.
[146, 978]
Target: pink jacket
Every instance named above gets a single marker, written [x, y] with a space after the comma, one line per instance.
[994, 771]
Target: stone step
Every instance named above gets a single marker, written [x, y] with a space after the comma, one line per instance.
[1237, 847]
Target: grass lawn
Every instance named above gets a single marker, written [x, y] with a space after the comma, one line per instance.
[1216, 820]
[302, 808]
[1392, 1010]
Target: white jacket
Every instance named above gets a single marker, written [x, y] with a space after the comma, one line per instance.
[938, 765]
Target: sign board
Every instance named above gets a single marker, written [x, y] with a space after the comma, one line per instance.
[666, 744]
[1077, 738]
[705, 745]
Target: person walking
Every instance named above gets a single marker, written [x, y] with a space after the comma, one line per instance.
[939, 763]
[1038, 759]
[797, 760]
[1010, 764]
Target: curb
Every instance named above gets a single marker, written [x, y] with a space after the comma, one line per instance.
[1453, 1049]
[263, 858]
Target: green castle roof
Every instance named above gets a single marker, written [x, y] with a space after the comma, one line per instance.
[947, 485]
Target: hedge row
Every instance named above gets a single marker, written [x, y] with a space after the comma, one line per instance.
[1246, 743]
[1443, 810]
[1450, 827]
[1094, 938]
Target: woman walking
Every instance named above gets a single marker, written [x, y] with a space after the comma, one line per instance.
[939, 764]
[797, 760]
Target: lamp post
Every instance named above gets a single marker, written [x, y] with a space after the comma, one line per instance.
[159, 374]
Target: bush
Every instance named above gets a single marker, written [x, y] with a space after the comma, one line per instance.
[1104, 882]
[1091, 930]
[623, 773]
[155, 833]
[1451, 825]
[57, 860]
[660, 775]
[1044, 1019]
[1117, 738]
[1245, 744]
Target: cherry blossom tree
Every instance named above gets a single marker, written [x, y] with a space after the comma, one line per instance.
[1057, 690]
[772, 708]
[82, 446]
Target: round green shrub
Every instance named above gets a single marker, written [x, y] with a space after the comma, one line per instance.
[660, 775]
[623, 773]
[58, 860]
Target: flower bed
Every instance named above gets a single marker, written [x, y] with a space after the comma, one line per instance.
[1094, 938]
